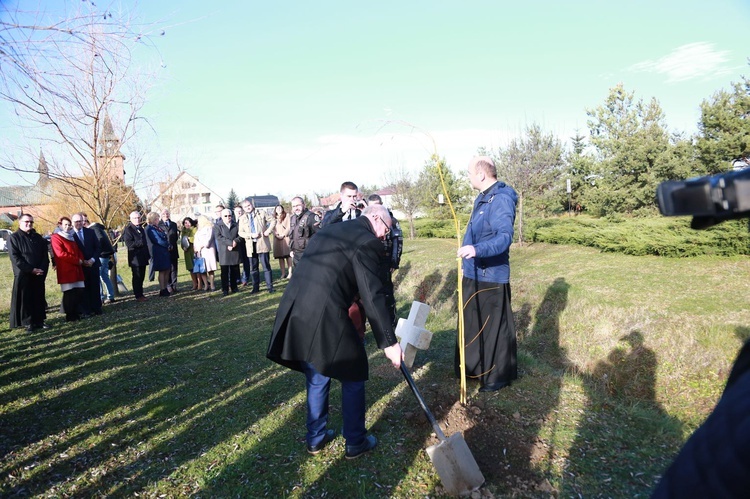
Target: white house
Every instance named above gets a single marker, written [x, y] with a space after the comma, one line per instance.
[186, 196]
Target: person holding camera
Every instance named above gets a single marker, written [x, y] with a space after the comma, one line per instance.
[348, 208]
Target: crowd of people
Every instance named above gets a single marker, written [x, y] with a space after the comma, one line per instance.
[345, 276]
[237, 242]
[339, 265]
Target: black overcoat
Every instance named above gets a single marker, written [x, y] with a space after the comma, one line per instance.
[224, 237]
[90, 248]
[135, 240]
[312, 321]
[27, 251]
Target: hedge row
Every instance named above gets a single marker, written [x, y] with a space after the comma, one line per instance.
[659, 236]
[670, 237]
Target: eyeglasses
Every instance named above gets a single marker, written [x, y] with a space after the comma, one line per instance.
[387, 228]
[227, 216]
[27, 222]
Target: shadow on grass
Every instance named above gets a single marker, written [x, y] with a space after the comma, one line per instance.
[120, 407]
[620, 410]
[509, 442]
[376, 474]
[400, 274]
[742, 333]
[594, 454]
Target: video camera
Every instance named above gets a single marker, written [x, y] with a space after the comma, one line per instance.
[710, 200]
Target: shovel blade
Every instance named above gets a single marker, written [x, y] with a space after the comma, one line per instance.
[456, 467]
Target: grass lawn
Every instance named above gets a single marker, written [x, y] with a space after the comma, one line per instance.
[620, 358]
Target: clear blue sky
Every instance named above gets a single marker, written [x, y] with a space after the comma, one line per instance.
[296, 97]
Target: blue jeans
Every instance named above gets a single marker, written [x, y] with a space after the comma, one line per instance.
[352, 407]
[107, 291]
[255, 260]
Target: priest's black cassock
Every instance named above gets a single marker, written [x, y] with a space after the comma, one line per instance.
[27, 251]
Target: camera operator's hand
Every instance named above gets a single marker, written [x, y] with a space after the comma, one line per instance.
[467, 251]
[350, 204]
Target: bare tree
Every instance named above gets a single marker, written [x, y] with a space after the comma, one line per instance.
[74, 88]
[407, 194]
[531, 165]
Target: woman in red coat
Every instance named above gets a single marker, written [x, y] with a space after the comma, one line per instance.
[68, 262]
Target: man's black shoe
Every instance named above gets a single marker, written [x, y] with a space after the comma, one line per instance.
[314, 449]
[354, 451]
[493, 387]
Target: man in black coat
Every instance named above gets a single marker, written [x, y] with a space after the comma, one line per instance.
[29, 258]
[302, 227]
[134, 237]
[91, 304]
[348, 207]
[105, 256]
[227, 238]
[313, 333]
[173, 235]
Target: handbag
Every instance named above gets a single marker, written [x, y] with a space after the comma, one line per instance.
[199, 265]
[185, 243]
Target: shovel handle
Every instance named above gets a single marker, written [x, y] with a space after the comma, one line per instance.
[433, 422]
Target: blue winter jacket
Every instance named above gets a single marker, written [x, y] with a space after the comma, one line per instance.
[490, 231]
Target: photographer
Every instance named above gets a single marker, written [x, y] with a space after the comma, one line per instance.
[348, 208]
[715, 461]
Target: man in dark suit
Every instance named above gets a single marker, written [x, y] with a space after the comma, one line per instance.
[173, 235]
[91, 304]
[227, 238]
[314, 335]
[134, 237]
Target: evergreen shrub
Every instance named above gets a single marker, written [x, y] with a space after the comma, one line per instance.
[660, 236]
[441, 228]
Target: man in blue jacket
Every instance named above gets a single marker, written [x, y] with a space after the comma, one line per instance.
[489, 331]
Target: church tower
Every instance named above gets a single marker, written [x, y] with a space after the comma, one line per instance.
[110, 159]
[43, 169]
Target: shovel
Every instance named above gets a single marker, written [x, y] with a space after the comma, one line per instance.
[451, 457]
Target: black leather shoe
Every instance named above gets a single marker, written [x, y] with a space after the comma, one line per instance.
[493, 387]
[314, 449]
[354, 451]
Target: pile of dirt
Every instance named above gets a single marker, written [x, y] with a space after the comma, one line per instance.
[497, 442]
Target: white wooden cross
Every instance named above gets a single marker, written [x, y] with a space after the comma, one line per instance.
[412, 332]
